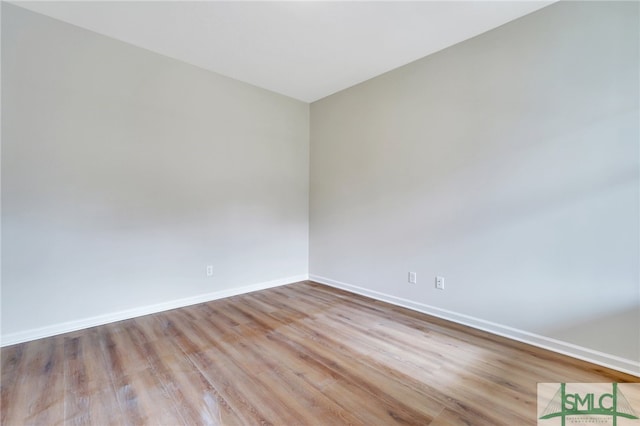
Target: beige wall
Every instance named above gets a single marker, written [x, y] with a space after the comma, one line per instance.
[124, 173]
[507, 164]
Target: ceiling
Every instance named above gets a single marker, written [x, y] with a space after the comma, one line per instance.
[306, 50]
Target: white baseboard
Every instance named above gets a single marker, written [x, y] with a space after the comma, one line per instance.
[565, 348]
[65, 327]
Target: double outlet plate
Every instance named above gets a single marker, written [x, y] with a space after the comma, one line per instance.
[413, 279]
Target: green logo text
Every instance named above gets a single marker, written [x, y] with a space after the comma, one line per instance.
[565, 404]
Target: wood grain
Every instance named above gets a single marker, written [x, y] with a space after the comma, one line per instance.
[302, 354]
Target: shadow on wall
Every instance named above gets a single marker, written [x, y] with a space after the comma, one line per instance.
[125, 173]
[605, 329]
[503, 186]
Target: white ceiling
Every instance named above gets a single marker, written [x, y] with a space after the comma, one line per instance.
[306, 50]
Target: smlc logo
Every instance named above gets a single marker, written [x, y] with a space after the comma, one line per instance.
[588, 403]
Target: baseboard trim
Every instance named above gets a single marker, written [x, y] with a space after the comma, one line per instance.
[66, 327]
[600, 358]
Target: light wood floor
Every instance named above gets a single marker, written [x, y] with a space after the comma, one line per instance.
[293, 355]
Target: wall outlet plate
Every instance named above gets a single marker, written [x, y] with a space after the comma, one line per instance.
[440, 283]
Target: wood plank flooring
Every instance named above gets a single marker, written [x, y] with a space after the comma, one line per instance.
[302, 354]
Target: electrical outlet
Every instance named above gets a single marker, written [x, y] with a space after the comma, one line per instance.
[413, 277]
[440, 283]
[209, 270]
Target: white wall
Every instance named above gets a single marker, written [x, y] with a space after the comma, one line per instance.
[509, 165]
[124, 173]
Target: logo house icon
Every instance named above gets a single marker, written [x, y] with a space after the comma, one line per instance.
[581, 406]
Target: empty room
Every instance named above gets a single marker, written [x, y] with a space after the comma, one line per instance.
[320, 213]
